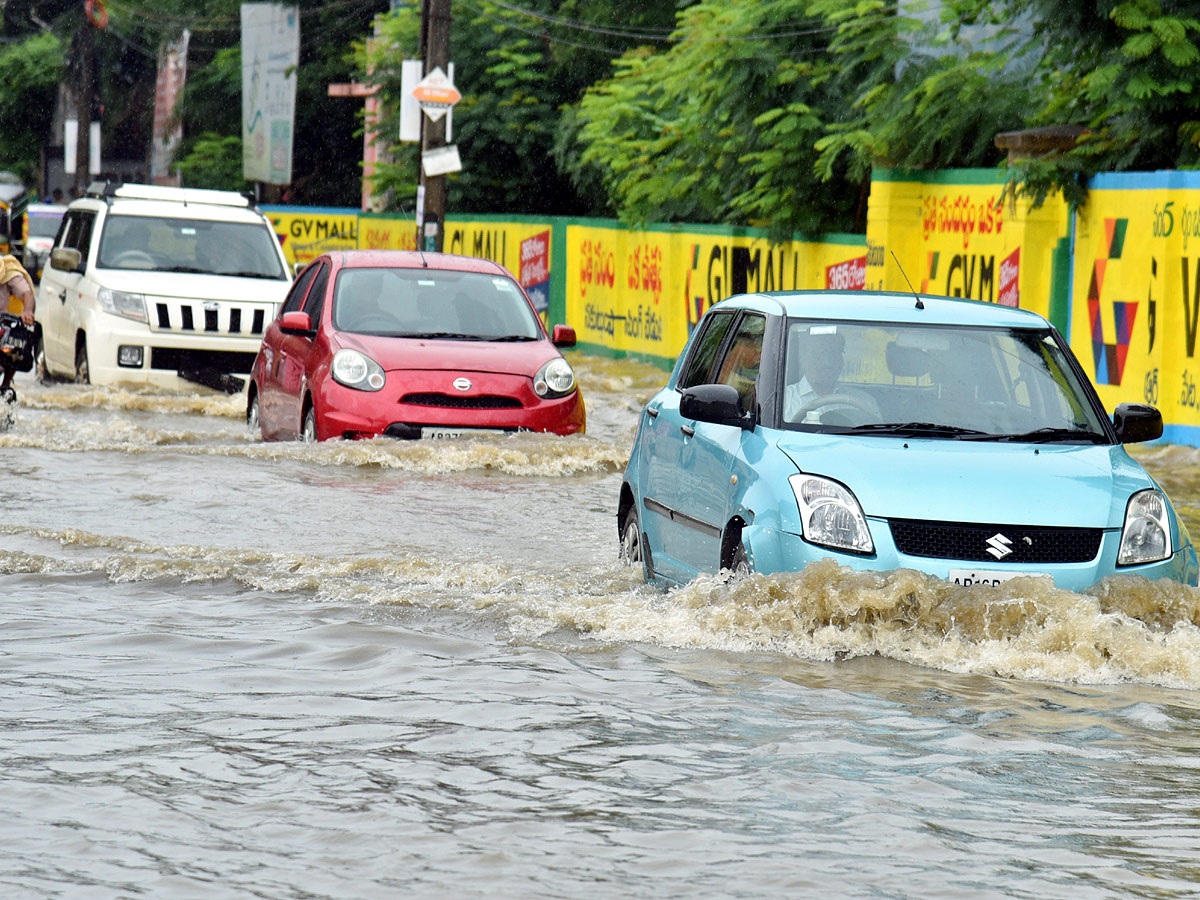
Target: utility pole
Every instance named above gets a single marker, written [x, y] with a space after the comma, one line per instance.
[85, 91]
[435, 50]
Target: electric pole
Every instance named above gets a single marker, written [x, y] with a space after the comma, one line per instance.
[85, 91]
[435, 50]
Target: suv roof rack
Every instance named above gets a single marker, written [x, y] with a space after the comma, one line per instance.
[110, 190]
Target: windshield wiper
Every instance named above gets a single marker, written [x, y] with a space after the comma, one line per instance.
[440, 336]
[915, 429]
[1052, 435]
[249, 274]
[510, 337]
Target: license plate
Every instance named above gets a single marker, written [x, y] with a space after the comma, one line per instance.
[453, 434]
[968, 577]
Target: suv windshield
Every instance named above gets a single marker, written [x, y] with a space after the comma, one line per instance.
[963, 383]
[432, 303]
[189, 245]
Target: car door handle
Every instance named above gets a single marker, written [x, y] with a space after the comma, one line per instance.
[687, 430]
[652, 412]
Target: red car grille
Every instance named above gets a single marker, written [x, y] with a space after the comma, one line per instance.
[480, 401]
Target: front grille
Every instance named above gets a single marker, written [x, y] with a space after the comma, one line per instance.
[968, 541]
[479, 401]
[224, 361]
[191, 316]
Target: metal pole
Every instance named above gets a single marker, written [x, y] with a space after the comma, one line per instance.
[435, 42]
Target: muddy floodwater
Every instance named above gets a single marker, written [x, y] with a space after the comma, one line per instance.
[391, 670]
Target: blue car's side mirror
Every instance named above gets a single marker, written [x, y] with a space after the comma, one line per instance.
[1137, 422]
[715, 403]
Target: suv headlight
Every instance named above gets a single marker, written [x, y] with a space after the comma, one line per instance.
[830, 515]
[554, 379]
[1146, 536]
[357, 371]
[119, 303]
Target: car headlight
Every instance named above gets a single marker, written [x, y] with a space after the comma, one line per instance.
[1146, 536]
[119, 303]
[357, 371]
[555, 379]
[830, 515]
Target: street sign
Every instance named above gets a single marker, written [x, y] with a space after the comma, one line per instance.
[441, 161]
[436, 94]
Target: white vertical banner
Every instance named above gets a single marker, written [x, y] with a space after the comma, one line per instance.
[70, 144]
[270, 55]
[411, 72]
[168, 130]
[94, 148]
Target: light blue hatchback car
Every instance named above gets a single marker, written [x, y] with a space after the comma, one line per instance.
[887, 431]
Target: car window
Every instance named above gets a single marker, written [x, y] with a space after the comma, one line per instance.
[316, 297]
[296, 295]
[984, 380]
[699, 365]
[739, 368]
[76, 233]
[176, 244]
[432, 303]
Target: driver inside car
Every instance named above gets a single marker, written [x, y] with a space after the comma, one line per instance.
[820, 397]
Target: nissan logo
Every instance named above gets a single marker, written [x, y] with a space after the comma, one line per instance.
[462, 384]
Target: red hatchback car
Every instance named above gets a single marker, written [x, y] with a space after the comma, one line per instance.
[410, 345]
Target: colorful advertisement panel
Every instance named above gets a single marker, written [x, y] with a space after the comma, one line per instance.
[959, 233]
[641, 292]
[306, 233]
[1136, 291]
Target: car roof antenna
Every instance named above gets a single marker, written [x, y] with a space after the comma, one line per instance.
[920, 305]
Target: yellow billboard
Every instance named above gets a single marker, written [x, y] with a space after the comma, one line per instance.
[960, 233]
[306, 233]
[641, 292]
[1136, 293]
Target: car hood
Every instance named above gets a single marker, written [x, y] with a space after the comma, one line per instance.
[188, 285]
[395, 354]
[972, 481]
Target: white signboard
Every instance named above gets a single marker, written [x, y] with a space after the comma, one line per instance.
[270, 55]
[441, 160]
[436, 94]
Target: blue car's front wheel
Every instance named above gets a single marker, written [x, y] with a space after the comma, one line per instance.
[739, 563]
[631, 539]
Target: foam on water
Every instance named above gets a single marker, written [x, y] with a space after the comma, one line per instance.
[1125, 630]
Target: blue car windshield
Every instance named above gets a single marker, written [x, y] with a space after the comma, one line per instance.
[432, 304]
[940, 381]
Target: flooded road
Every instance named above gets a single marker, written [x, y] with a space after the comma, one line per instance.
[383, 669]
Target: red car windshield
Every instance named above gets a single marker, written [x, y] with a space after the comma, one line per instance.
[432, 303]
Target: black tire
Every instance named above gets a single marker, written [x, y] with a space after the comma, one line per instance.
[630, 536]
[308, 432]
[253, 425]
[82, 375]
[40, 372]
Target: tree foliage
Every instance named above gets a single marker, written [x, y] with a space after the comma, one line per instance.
[30, 69]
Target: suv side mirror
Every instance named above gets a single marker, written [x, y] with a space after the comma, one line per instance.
[715, 403]
[66, 259]
[1136, 422]
[296, 322]
[563, 336]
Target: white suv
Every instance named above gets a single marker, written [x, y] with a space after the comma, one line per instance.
[159, 285]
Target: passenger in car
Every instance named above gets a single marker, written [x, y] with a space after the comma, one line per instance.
[820, 395]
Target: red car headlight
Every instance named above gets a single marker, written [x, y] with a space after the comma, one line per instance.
[357, 371]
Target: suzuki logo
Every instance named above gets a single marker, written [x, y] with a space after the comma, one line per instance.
[999, 546]
[462, 384]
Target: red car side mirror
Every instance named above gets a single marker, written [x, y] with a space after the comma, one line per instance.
[296, 323]
[563, 336]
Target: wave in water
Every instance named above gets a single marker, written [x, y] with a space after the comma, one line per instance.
[1126, 630]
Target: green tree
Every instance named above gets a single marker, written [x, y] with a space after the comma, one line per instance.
[517, 67]
[1129, 73]
[773, 113]
[30, 70]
